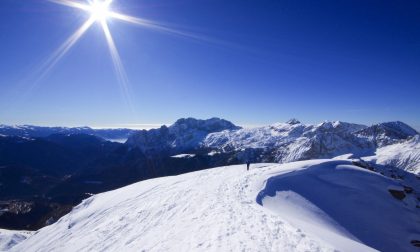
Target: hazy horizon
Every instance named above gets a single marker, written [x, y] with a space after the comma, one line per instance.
[148, 126]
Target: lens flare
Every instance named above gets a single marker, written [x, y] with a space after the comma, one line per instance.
[118, 65]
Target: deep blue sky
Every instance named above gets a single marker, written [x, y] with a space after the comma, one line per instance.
[356, 61]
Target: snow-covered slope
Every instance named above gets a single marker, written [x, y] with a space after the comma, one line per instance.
[9, 238]
[318, 205]
[404, 155]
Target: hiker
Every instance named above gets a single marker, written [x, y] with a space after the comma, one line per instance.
[247, 165]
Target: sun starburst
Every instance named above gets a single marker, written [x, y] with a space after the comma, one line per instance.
[101, 12]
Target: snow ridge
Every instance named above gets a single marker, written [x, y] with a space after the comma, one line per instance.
[217, 210]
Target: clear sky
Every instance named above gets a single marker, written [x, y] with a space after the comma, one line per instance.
[256, 62]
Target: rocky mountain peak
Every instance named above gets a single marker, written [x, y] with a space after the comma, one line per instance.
[293, 121]
[211, 125]
[184, 134]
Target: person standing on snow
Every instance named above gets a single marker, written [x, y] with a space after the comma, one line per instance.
[247, 165]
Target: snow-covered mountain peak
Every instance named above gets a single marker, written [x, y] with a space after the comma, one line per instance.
[210, 125]
[325, 124]
[399, 126]
[339, 126]
[183, 135]
[387, 133]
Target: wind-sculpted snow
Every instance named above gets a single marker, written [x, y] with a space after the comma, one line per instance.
[335, 198]
[217, 210]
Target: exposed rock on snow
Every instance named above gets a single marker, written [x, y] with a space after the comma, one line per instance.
[318, 205]
[416, 243]
[293, 121]
[397, 192]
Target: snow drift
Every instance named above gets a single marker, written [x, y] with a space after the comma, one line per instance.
[339, 200]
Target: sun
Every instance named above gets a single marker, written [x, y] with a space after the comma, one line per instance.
[99, 10]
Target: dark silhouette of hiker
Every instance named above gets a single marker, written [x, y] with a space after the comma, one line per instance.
[247, 165]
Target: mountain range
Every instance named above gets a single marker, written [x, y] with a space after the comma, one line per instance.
[42, 131]
[44, 172]
[280, 142]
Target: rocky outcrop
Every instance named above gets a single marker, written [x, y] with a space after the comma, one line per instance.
[397, 193]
